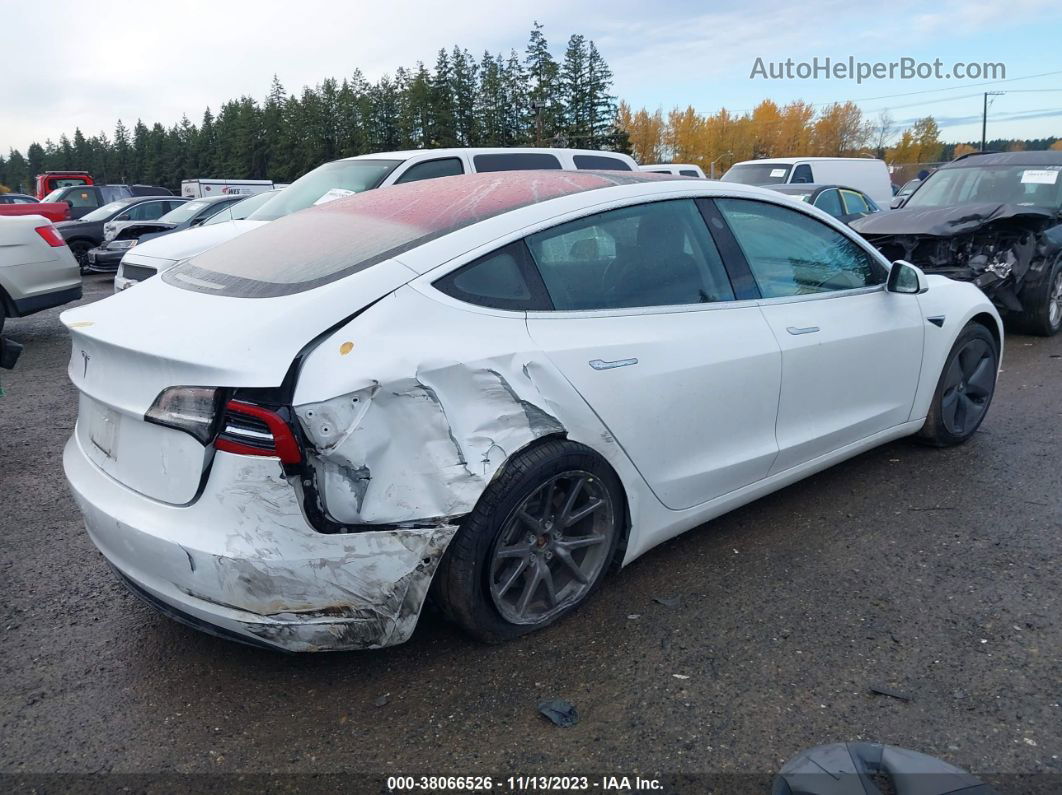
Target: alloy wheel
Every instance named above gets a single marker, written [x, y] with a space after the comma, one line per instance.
[968, 387]
[1054, 302]
[552, 548]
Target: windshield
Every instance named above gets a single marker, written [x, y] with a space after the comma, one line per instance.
[53, 196]
[1033, 186]
[323, 184]
[757, 173]
[187, 210]
[241, 209]
[105, 212]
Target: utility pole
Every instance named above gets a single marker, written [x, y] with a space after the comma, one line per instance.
[984, 115]
[538, 107]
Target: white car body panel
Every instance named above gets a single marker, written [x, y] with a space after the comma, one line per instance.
[675, 168]
[869, 175]
[30, 269]
[411, 402]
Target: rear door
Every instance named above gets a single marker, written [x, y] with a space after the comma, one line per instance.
[649, 329]
[851, 352]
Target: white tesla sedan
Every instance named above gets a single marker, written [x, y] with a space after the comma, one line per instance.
[496, 386]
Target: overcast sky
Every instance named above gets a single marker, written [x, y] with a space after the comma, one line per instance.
[87, 64]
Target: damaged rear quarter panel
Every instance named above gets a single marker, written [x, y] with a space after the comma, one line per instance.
[402, 430]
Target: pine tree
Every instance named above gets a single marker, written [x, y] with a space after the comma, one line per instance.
[490, 101]
[464, 92]
[543, 74]
[575, 93]
[600, 103]
[121, 159]
[443, 128]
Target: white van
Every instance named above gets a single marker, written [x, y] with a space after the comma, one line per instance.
[867, 174]
[678, 169]
[205, 188]
[352, 175]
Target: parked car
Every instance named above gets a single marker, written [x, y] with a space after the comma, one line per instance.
[994, 219]
[908, 188]
[843, 203]
[50, 180]
[366, 172]
[867, 174]
[204, 188]
[494, 386]
[21, 204]
[121, 236]
[152, 257]
[37, 270]
[84, 199]
[16, 198]
[678, 169]
[86, 233]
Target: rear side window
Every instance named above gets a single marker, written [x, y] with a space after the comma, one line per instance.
[790, 253]
[503, 279]
[656, 254]
[430, 169]
[854, 203]
[601, 163]
[688, 172]
[515, 161]
[802, 173]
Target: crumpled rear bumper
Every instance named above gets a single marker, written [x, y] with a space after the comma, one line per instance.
[241, 561]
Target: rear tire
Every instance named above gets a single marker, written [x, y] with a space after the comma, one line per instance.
[1043, 304]
[530, 552]
[965, 389]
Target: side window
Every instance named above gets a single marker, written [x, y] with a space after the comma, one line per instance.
[430, 169]
[688, 172]
[830, 202]
[600, 163]
[790, 253]
[854, 203]
[655, 254]
[148, 211]
[802, 173]
[515, 161]
[503, 279]
[82, 198]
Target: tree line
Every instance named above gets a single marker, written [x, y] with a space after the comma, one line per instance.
[516, 99]
[715, 141]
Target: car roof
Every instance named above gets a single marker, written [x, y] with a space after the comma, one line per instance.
[801, 187]
[1038, 158]
[405, 154]
[792, 160]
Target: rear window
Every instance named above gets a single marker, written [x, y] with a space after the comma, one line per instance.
[326, 243]
[601, 163]
[515, 161]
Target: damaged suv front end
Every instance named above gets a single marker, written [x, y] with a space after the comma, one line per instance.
[991, 219]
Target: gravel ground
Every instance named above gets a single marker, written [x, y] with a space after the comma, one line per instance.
[933, 573]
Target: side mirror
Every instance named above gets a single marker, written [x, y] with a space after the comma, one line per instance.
[906, 278]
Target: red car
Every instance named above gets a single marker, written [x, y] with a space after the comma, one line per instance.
[21, 204]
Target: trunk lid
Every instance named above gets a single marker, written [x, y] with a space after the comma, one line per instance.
[128, 348]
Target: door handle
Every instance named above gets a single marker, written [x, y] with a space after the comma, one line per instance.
[805, 330]
[601, 364]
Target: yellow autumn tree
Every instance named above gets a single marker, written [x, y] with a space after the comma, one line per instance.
[1056, 146]
[963, 149]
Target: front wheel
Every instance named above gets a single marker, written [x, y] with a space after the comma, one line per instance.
[80, 250]
[965, 389]
[536, 545]
[1043, 304]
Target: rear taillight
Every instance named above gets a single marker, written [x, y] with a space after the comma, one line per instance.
[191, 409]
[248, 429]
[51, 235]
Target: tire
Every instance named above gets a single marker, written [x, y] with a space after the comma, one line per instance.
[965, 389]
[1043, 304]
[517, 530]
[3, 311]
[80, 250]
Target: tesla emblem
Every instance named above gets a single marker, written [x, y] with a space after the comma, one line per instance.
[86, 357]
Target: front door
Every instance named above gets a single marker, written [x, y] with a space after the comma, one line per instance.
[851, 352]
